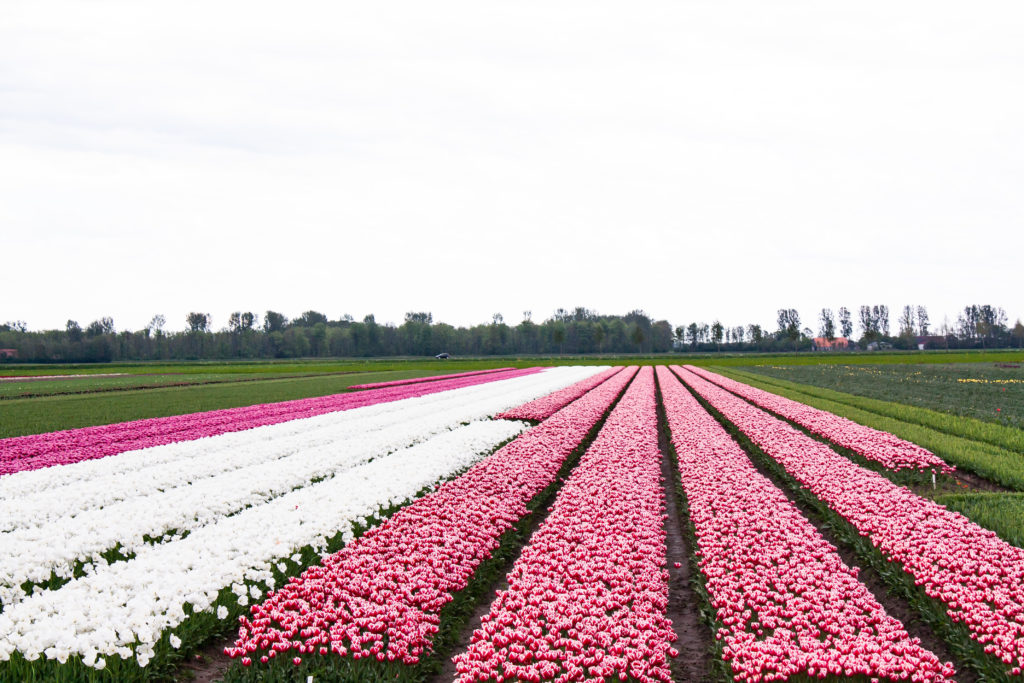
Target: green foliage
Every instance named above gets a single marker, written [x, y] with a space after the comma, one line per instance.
[991, 462]
[989, 393]
[1002, 513]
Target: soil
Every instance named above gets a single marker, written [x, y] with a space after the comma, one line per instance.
[694, 636]
[207, 665]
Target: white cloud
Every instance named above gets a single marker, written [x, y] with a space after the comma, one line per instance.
[697, 159]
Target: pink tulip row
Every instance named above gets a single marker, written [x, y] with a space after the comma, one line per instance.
[588, 595]
[978, 576]
[64, 447]
[545, 406]
[381, 596]
[888, 449]
[787, 603]
[418, 380]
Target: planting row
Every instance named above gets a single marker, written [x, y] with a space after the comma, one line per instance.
[587, 597]
[60, 448]
[417, 380]
[887, 449]
[978, 577]
[81, 521]
[545, 406]
[127, 612]
[785, 602]
[381, 596]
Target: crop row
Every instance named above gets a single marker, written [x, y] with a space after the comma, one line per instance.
[80, 522]
[60, 448]
[785, 602]
[891, 451]
[130, 612]
[381, 596]
[587, 597]
[978, 577]
[545, 406]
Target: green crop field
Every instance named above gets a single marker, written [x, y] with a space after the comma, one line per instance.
[142, 390]
[991, 391]
[1002, 513]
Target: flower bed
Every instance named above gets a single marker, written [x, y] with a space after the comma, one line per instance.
[64, 447]
[587, 597]
[786, 603]
[59, 526]
[417, 380]
[380, 597]
[882, 447]
[978, 577]
[545, 406]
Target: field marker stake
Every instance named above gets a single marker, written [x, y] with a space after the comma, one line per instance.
[933, 488]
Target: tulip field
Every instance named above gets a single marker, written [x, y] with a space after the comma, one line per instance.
[501, 525]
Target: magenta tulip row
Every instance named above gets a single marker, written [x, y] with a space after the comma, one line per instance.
[978, 576]
[382, 594]
[588, 596]
[545, 406]
[418, 380]
[888, 449]
[74, 445]
[787, 604]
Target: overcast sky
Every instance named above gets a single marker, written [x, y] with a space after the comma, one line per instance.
[695, 159]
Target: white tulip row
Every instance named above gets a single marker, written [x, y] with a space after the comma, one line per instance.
[123, 609]
[70, 527]
[25, 497]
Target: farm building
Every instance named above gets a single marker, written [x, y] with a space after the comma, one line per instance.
[8, 353]
[837, 344]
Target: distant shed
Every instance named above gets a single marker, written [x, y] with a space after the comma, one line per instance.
[8, 353]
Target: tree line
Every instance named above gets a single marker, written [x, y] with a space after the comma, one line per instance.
[576, 331]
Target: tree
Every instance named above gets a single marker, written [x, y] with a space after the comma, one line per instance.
[528, 316]
[881, 316]
[497, 319]
[274, 322]
[74, 331]
[867, 324]
[558, 334]
[310, 318]
[922, 321]
[198, 322]
[636, 335]
[424, 317]
[828, 324]
[156, 325]
[716, 333]
[1018, 333]
[789, 325]
[756, 333]
[692, 332]
[845, 324]
[15, 326]
[908, 321]
[99, 327]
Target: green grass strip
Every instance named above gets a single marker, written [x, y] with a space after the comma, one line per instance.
[996, 464]
[999, 435]
[1002, 513]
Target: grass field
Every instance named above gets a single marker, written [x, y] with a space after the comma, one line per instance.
[1002, 513]
[983, 391]
[1000, 465]
[142, 390]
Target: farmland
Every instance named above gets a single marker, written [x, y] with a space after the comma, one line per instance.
[992, 392]
[508, 521]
